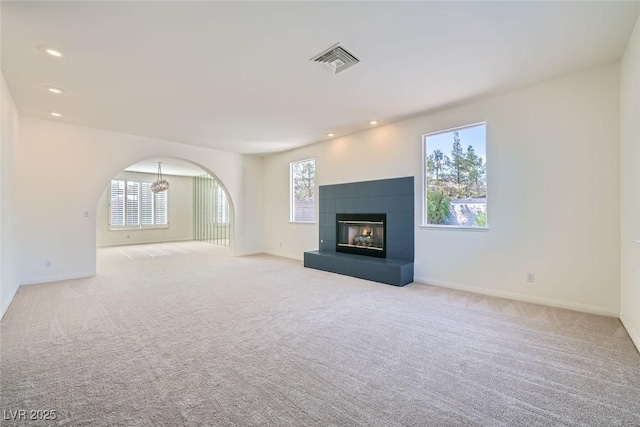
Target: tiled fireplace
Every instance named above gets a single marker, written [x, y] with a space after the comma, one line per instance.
[366, 230]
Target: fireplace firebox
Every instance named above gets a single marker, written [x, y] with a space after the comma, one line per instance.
[362, 234]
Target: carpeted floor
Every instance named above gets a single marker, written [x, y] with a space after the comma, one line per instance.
[182, 334]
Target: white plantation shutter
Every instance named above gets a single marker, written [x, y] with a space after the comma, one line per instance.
[160, 211]
[116, 206]
[133, 203]
[146, 204]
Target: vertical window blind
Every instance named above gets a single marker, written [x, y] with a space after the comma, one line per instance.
[211, 211]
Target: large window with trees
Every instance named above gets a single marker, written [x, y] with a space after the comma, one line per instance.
[455, 177]
[132, 204]
[303, 191]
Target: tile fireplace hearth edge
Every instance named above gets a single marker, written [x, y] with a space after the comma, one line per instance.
[384, 270]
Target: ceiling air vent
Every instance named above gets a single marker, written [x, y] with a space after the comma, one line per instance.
[337, 58]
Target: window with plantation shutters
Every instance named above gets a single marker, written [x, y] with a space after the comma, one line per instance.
[160, 208]
[132, 208]
[134, 205]
[146, 204]
[116, 206]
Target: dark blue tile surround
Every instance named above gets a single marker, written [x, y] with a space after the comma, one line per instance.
[391, 196]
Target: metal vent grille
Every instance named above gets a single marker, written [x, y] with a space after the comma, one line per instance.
[336, 58]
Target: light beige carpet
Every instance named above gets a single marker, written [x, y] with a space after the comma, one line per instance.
[182, 334]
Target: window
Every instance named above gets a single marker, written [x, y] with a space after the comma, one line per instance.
[222, 208]
[455, 177]
[134, 205]
[303, 191]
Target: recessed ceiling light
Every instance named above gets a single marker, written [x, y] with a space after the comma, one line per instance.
[57, 53]
[373, 122]
[54, 114]
[331, 135]
[55, 90]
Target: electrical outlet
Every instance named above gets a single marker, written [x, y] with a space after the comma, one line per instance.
[86, 214]
[47, 263]
[531, 277]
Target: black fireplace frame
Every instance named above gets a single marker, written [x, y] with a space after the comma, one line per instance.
[362, 217]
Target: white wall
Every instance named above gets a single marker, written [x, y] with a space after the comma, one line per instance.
[76, 163]
[180, 209]
[253, 225]
[630, 186]
[8, 243]
[553, 157]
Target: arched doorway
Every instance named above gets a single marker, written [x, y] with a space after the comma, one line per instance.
[196, 206]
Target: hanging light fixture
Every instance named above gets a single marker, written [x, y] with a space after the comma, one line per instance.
[160, 184]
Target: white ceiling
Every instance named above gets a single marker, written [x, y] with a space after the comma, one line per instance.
[170, 166]
[236, 76]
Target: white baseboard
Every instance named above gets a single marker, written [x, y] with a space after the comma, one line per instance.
[248, 253]
[144, 243]
[296, 257]
[57, 278]
[603, 311]
[632, 332]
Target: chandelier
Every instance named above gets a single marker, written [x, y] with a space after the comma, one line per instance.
[160, 184]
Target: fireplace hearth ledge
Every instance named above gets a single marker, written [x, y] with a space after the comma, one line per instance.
[384, 270]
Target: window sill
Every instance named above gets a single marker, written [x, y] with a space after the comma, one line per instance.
[302, 222]
[452, 228]
[154, 227]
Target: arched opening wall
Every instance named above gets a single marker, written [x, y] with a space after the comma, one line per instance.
[64, 169]
[196, 206]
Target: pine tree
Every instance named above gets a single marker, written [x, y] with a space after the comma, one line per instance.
[472, 170]
[431, 165]
[481, 167]
[438, 158]
[456, 163]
